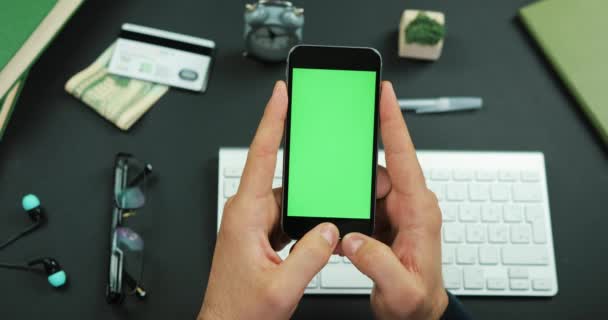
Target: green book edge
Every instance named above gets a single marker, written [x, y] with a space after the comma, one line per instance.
[37, 56]
[21, 81]
[595, 121]
[18, 22]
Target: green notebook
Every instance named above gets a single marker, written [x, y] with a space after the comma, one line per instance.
[574, 36]
[19, 20]
[26, 29]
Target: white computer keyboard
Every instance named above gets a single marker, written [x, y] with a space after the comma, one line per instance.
[496, 233]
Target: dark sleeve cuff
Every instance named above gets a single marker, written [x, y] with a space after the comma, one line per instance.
[455, 310]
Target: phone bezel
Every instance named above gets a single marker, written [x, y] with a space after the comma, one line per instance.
[342, 58]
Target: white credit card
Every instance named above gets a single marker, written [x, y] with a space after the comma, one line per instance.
[161, 56]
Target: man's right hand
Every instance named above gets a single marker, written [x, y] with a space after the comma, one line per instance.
[404, 256]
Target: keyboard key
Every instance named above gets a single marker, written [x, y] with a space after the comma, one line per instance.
[466, 255]
[233, 172]
[519, 284]
[525, 255]
[438, 189]
[479, 192]
[518, 272]
[513, 213]
[463, 175]
[453, 233]
[344, 276]
[499, 192]
[475, 233]
[527, 192]
[440, 175]
[449, 211]
[496, 283]
[469, 212]
[457, 192]
[491, 212]
[335, 259]
[530, 176]
[520, 233]
[543, 284]
[539, 232]
[447, 254]
[488, 255]
[346, 260]
[473, 278]
[451, 278]
[230, 187]
[498, 233]
[534, 212]
[508, 175]
[485, 175]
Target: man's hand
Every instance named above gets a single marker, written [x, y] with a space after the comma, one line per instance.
[248, 279]
[404, 257]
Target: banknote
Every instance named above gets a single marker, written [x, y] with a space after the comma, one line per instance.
[120, 100]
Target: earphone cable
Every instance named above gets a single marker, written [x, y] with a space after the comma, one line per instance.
[19, 235]
[16, 266]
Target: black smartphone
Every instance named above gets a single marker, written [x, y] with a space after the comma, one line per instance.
[330, 153]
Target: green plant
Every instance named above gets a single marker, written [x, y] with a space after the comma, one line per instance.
[424, 30]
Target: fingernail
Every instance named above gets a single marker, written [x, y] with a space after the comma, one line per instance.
[351, 245]
[388, 84]
[276, 87]
[328, 232]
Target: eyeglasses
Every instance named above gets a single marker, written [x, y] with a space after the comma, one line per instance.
[127, 247]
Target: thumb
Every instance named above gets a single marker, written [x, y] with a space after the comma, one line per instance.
[376, 260]
[309, 256]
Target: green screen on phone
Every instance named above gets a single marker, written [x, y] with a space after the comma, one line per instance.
[331, 143]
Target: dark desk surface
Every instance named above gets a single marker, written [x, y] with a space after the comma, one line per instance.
[62, 151]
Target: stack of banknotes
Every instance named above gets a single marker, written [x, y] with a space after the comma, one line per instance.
[118, 99]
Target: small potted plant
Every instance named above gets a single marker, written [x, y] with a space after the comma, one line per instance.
[421, 34]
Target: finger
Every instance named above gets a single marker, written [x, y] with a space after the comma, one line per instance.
[382, 226]
[337, 249]
[262, 155]
[278, 238]
[383, 182]
[376, 260]
[401, 161]
[308, 257]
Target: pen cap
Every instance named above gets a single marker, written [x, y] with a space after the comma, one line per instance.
[464, 102]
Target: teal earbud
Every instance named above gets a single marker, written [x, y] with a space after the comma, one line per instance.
[31, 204]
[58, 279]
[56, 276]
